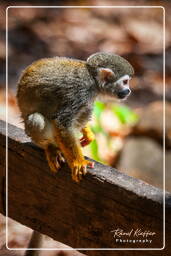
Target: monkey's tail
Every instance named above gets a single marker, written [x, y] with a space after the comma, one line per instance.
[35, 242]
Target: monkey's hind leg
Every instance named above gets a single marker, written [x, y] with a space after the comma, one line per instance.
[54, 157]
[88, 136]
[70, 147]
[40, 129]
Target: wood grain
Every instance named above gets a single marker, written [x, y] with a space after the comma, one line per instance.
[79, 215]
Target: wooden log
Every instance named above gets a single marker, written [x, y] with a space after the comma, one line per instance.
[82, 215]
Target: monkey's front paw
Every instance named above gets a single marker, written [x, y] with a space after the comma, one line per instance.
[86, 140]
[80, 168]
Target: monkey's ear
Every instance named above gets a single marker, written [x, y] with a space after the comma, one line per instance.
[106, 75]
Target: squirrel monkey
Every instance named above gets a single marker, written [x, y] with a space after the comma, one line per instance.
[55, 97]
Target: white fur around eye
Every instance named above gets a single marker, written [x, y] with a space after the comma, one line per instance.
[120, 82]
[122, 79]
[125, 77]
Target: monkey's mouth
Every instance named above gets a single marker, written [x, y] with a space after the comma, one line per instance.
[123, 94]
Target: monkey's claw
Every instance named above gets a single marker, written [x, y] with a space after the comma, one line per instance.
[80, 169]
[53, 163]
[54, 158]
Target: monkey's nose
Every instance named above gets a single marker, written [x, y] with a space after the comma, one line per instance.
[122, 94]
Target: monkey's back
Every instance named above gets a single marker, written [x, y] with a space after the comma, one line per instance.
[49, 84]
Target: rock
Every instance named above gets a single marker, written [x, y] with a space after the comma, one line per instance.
[143, 158]
[151, 122]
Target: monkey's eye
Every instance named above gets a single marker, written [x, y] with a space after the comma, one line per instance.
[125, 81]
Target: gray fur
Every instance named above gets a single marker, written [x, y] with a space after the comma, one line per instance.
[119, 65]
[64, 89]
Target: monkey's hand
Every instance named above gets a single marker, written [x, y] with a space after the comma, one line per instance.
[79, 168]
[88, 136]
[72, 152]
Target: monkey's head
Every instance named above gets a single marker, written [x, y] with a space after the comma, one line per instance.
[112, 73]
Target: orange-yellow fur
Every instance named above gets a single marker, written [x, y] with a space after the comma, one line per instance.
[72, 153]
[88, 136]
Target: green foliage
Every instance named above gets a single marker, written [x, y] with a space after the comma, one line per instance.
[94, 151]
[125, 114]
[99, 107]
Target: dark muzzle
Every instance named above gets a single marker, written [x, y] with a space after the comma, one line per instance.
[123, 93]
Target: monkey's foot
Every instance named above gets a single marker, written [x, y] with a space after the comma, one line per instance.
[59, 156]
[54, 158]
[53, 163]
[80, 168]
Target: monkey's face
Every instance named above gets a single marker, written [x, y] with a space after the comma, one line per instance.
[113, 73]
[121, 87]
[112, 87]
